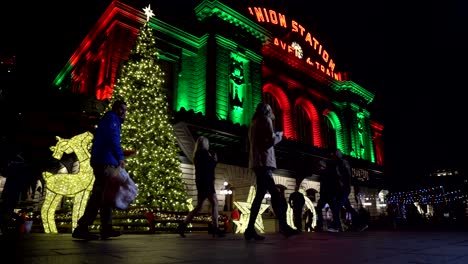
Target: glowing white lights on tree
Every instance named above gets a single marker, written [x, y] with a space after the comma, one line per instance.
[155, 168]
[77, 185]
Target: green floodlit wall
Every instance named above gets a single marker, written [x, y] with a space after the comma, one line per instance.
[63, 80]
[354, 88]
[352, 142]
[224, 84]
[249, 93]
[237, 113]
[350, 136]
[222, 80]
[354, 135]
[336, 123]
[248, 73]
[345, 128]
[368, 151]
[191, 88]
[366, 134]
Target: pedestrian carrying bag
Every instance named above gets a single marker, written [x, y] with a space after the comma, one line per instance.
[126, 192]
[120, 190]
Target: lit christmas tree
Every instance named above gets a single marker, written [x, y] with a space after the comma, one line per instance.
[155, 168]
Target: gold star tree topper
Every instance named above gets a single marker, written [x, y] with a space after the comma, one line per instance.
[148, 12]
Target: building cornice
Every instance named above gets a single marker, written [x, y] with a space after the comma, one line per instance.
[209, 8]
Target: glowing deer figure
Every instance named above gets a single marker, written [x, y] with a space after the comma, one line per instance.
[77, 185]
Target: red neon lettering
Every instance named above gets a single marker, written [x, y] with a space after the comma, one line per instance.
[331, 64]
[294, 26]
[318, 65]
[280, 43]
[338, 76]
[275, 41]
[266, 15]
[325, 55]
[309, 39]
[315, 43]
[282, 19]
[283, 45]
[302, 30]
[273, 17]
[259, 14]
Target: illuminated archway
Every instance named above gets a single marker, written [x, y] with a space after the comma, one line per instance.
[335, 121]
[314, 118]
[283, 101]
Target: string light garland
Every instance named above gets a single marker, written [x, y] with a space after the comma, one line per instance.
[432, 195]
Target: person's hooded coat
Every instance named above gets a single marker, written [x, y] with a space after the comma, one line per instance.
[262, 139]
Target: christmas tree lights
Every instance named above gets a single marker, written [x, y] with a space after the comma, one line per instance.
[155, 168]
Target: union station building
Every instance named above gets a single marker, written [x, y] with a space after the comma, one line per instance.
[220, 61]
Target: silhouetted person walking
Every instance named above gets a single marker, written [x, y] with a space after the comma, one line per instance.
[205, 162]
[343, 170]
[297, 201]
[262, 161]
[329, 193]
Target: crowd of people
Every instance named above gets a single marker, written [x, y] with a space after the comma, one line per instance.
[107, 155]
[335, 188]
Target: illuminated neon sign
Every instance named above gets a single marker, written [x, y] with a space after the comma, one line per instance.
[326, 65]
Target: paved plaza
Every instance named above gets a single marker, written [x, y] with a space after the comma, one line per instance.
[376, 247]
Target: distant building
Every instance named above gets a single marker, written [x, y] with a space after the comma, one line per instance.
[452, 176]
[449, 172]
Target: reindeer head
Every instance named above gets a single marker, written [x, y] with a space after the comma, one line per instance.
[81, 142]
[61, 147]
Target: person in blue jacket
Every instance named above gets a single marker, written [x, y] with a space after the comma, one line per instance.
[106, 156]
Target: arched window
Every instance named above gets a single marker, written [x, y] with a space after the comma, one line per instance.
[278, 122]
[329, 135]
[303, 126]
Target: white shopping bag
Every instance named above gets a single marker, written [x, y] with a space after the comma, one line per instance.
[127, 191]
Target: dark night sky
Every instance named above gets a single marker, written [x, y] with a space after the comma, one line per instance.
[412, 56]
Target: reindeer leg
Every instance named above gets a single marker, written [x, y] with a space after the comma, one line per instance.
[48, 211]
[79, 206]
